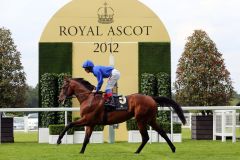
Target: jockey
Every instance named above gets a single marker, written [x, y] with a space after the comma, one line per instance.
[101, 72]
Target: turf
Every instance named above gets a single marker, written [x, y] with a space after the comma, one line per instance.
[187, 150]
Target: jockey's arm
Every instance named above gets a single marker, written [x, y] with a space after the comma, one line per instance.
[100, 81]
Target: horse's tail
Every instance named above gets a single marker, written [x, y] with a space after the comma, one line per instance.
[164, 101]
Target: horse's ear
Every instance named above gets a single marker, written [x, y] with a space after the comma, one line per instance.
[66, 78]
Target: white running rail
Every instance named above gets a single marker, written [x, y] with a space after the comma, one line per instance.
[195, 108]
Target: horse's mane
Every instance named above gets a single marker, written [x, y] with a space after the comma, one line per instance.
[82, 81]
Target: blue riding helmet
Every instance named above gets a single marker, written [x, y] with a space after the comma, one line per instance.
[88, 64]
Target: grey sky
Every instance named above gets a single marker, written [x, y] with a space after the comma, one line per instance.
[219, 18]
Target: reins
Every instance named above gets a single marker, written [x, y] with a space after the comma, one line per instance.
[87, 94]
[75, 96]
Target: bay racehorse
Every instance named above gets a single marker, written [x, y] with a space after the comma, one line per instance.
[142, 107]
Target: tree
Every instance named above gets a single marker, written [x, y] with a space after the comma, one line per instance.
[12, 81]
[201, 77]
[32, 97]
[236, 95]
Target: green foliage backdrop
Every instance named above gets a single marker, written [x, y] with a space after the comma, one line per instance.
[154, 57]
[55, 60]
[68, 102]
[157, 85]
[148, 84]
[50, 89]
[132, 125]
[163, 84]
[155, 71]
[49, 95]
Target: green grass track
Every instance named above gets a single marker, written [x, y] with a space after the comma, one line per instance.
[27, 148]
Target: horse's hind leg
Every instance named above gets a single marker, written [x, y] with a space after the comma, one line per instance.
[143, 130]
[160, 131]
[88, 134]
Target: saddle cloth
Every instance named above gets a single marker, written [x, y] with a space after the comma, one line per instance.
[120, 104]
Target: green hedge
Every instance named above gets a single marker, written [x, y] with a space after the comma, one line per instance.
[132, 125]
[50, 85]
[98, 128]
[49, 93]
[163, 89]
[78, 128]
[56, 129]
[157, 85]
[177, 127]
[82, 128]
[154, 57]
[148, 84]
[163, 84]
[68, 102]
[55, 57]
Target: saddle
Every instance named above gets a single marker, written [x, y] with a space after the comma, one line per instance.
[117, 103]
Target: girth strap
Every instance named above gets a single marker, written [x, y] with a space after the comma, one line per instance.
[105, 117]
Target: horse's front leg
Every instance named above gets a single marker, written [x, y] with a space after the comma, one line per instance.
[80, 122]
[88, 133]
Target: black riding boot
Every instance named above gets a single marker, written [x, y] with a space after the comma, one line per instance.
[110, 102]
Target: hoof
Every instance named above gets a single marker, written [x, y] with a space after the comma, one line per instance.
[59, 142]
[173, 149]
[81, 152]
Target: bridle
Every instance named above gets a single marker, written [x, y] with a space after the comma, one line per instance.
[65, 90]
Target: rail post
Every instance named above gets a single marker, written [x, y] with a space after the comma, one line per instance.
[223, 126]
[234, 126]
[150, 134]
[25, 124]
[0, 127]
[65, 125]
[214, 125]
[171, 125]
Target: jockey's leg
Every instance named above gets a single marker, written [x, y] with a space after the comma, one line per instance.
[108, 98]
[108, 94]
[111, 83]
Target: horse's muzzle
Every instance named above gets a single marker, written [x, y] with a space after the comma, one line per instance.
[61, 100]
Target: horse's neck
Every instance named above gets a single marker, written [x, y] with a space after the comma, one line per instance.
[81, 92]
